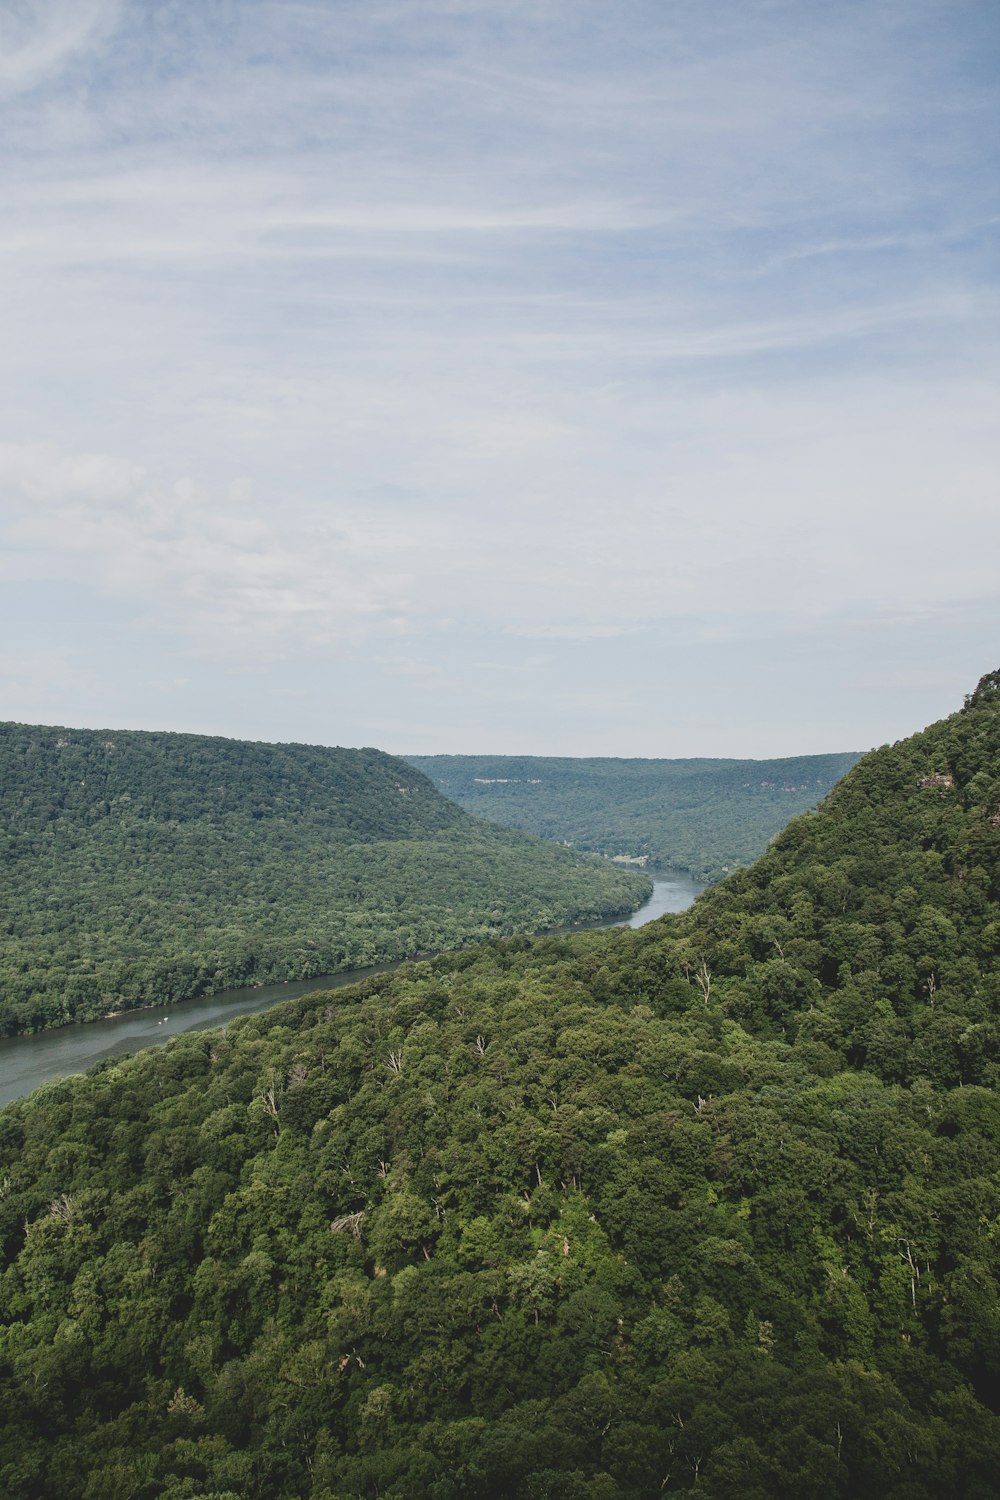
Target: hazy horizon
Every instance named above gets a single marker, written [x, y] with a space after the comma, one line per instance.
[410, 755]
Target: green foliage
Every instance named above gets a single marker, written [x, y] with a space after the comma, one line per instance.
[147, 868]
[704, 816]
[710, 1206]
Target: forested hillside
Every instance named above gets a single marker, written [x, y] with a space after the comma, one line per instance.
[139, 868]
[704, 816]
[710, 1206]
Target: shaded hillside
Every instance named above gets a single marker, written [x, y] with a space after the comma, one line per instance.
[139, 868]
[709, 1206]
[704, 816]
[882, 905]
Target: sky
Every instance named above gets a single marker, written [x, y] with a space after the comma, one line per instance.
[512, 376]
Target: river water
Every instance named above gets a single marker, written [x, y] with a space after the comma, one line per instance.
[28, 1061]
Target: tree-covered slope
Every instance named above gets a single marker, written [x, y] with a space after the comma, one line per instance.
[704, 816]
[883, 905]
[710, 1206]
[139, 868]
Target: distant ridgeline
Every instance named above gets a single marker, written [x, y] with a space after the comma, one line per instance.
[708, 1207]
[704, 816]
[138, 868]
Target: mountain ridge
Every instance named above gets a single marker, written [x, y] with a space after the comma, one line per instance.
[143, 867]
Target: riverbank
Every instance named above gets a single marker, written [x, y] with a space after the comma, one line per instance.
[27, 1062]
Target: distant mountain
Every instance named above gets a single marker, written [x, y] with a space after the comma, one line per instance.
[711, 1207]
[139, 868]
[704, 816]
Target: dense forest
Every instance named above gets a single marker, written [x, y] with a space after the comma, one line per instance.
[709, 1206]
[704, 816]
[142, 868]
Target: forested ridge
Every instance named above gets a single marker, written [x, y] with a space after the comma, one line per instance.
[709, 1206]
[140, 868]
[704, 816]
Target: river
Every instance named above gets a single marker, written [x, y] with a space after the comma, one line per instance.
[28, 1061]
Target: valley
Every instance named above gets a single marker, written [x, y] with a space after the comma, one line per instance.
[709, 1205]
[26, 1062]
[145, 869]
[477, 1020]
[706, 817]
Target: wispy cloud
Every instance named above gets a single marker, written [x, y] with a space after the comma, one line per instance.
[217, 566]
[39, 39]
[393, 339]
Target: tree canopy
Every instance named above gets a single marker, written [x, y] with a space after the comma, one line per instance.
[708, 1206]
[704, 816]
[140, 868]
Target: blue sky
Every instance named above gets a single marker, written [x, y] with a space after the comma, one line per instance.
[548, 377]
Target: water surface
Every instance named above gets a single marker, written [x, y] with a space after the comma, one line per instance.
[28, 1061]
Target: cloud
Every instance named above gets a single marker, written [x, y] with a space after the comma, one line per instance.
[570, 632]
[216, 566]
[392, 338]
[787, 518]
[38, 38]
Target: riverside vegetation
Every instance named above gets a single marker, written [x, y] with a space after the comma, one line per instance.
[142, 868]
[710, 1206]
[704, 816]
